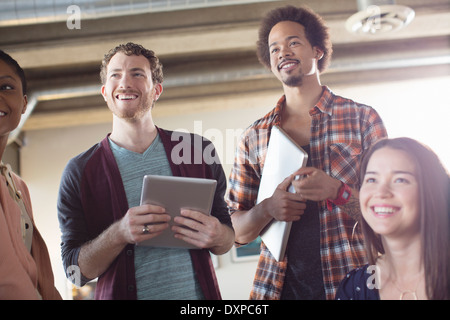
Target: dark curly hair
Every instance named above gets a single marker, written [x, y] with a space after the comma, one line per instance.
[315, 29]
[138, 50]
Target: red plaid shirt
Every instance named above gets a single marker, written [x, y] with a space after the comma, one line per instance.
[340, 131]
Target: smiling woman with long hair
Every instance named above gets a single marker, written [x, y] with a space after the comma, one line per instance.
[405, 221]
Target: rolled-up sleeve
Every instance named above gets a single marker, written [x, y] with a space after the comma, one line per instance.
[246, 171]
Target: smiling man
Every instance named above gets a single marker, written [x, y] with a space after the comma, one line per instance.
[99, 207]
[294, 44]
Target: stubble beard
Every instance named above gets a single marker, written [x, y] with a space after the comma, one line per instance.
[134, 114]
[293, 81]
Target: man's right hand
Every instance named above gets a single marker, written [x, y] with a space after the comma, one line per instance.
[284, 205]
[143, 222]
[97, 255]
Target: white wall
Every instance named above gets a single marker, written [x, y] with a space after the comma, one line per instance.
[416, 108]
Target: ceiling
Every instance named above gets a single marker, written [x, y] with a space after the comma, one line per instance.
[208, 52]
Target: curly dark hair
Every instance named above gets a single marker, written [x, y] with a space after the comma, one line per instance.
[129, 49]
[315, 29]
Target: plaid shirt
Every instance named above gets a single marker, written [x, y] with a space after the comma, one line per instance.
[340, 131]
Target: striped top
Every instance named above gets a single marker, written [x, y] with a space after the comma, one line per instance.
[341, 130]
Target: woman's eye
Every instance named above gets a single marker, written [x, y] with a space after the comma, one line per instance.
[6, 87]
[369, 180]
[401, 180]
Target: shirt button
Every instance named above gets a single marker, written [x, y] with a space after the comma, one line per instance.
[130, 287]
[129, 252]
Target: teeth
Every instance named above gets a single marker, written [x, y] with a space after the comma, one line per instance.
[288, 65]
[384, 210]
[126, 96]
[2, 113]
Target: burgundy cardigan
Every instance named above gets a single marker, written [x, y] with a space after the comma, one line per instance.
[102, 201]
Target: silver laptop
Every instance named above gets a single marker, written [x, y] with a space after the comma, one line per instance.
[283, 158]
[175, 193]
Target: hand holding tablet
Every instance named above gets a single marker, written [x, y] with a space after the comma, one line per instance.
[192, 196]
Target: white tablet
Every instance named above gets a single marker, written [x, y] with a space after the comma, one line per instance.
[283, 158]
[174, 194]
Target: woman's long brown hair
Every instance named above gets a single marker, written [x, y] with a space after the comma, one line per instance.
[434, 193]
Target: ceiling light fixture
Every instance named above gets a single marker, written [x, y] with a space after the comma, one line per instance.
[379, 16]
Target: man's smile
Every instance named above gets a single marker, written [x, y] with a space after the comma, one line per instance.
[288, 64]
[126, 96]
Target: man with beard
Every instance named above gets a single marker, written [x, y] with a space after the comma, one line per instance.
[323, 244]
[99, 207]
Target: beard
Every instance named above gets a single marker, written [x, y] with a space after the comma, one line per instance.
[132, 114]
[293, 78]
[293, 81]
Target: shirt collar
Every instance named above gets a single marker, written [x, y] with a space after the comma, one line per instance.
[324, 105]
[277, 111]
